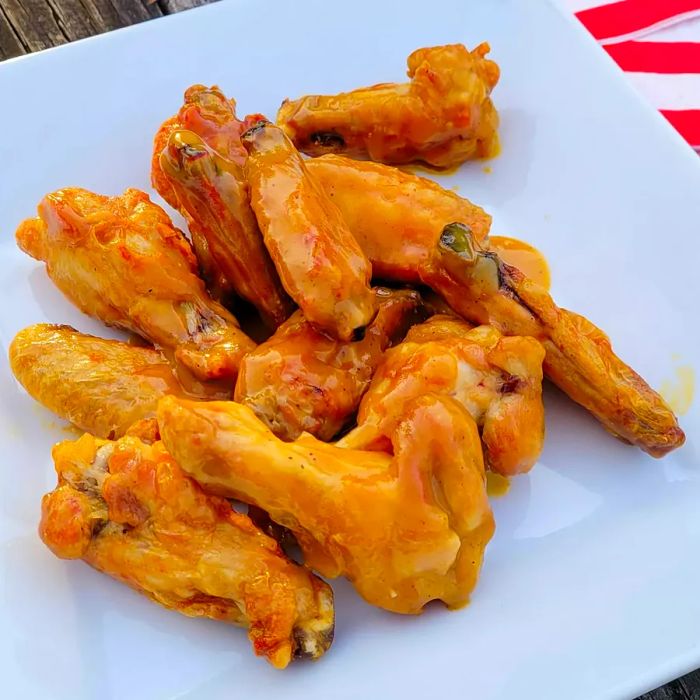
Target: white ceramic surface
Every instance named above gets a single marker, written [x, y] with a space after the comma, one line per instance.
[590, 586]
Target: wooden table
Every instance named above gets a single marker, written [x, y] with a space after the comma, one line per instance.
[33, 25]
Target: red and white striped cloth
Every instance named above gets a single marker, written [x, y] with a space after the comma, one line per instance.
[657, 43]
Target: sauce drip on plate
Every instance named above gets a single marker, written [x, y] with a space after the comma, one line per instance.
[525, 257]
[679, 391]
[496, 485]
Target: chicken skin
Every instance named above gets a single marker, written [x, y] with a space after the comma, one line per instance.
[396, 217]
[207, 112]
[579, 358]
[197, 168]
[121, 260]
[128, 510]
[217, 285]
[302, 380]
[443, 117]
[497, 379]
[408, 247]
[319, 262]
[405, 528]
[101, 386]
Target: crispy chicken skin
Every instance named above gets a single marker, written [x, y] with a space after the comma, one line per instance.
[443, 117]
[319, 262]
[197, 168]
[497, 379]
[302, 380]
[121, 260]
[101, 386]
[579, 358]
[128, 510]
[405, 529]
[396, 217]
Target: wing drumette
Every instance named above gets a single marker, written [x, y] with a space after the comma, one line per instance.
[197, 167]
[302, 380]
[121, 260]
[497, 379]
[579, 358]
[442, 117]
[405, 529]
[128, 510]
[320, 263]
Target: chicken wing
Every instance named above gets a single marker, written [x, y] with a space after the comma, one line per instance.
[197, 168]
[497, 379]
[128, 510]
[302, 380]
[579, 358]
[396, 217]
[121, 260]
[405, 529]
[217, 285]
[321, 265]
[207, 112]
[442, 117]
[101, 386]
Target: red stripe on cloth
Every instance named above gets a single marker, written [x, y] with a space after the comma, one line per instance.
[656, 56]
[686, 122]
[628, 16]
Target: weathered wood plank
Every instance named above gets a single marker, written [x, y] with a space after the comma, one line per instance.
[171, 6]
[34, 23]
[40, 24]
[691, 685]
[113, 14]
[10, 44]
[672, 691]
[70, 18]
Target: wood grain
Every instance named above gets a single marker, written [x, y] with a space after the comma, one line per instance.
[32, 25]
[671, 691]
[10, 43]
[171, 6]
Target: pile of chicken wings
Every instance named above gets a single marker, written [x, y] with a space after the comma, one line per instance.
[400, 359]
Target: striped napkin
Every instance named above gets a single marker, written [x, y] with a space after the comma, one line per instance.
[657, 43]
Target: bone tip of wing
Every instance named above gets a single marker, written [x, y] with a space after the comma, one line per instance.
[262, 135]
[182, 149]
[314, 636]
[661, 443]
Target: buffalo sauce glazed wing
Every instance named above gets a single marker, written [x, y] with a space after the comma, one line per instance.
[579, 358]
[396, 217]
[319, 262]
[497, 379]
[128, 510]
[406, 528]
[302, 380]
[198, 168]
[443, 117]
[453, 259]
[121, 260]
[101, 386]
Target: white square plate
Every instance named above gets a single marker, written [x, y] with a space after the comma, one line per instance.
[590, 586]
